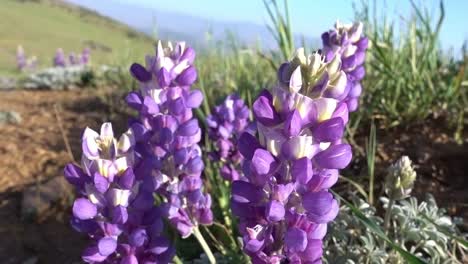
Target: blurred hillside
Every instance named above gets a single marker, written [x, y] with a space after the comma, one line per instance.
[43, 26]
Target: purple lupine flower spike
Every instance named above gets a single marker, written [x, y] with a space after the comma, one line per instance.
[59, 59]
[110, 208]
[167, 135]
[226, 124]
[85, 56]
[347, 42]
[283, 200]
[20, 58]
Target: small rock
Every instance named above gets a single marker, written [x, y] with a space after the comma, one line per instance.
[38, 199]
[10, 117]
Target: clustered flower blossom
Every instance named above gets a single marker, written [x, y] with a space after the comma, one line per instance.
[284, 203]
[226, 124]
[113, 206]
[347, 42]
[73, 59]
[167, 135]
[24, 63]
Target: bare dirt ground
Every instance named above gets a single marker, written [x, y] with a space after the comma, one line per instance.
[32, 157]
[33, 154]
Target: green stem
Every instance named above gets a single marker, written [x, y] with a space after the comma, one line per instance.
[177, 260]
[204, 245]
[388, 214]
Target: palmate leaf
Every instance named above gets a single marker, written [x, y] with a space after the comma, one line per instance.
[410, 258]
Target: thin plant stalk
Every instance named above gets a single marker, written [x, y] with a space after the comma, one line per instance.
[198, 235]
[371, 145]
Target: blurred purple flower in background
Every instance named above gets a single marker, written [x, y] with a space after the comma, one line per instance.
[59, 58]
[20, 58]
[226, 124]
[347, 42]
[167, 135]
[113, 207]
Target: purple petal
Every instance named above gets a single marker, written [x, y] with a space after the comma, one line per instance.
[348, 62]
[355, 90]
[130, 259]
[264, 112]
[341, 111]
[164, 78]
[313, 252]
[150, 106]
[138, 237]
[301, 170]
[320, 206]
[262, 161]
[194, 99]
[140, 73]
[107, 246]
[189, 55]
[119, 215]
[177, 106]
[188, 76]
[363, 43]
[91, 255]
[254, 245]
[334, 157]
[100, 182]
[247, 145]
[293, 124]
[329, 130]
[127, 179]
[134, 100]
[159, 245]
[74, 175]
[296, 239]
[274, 211]
[195, 166]
[245, 192]
[188, 128]
[83, 209]
[352, 104]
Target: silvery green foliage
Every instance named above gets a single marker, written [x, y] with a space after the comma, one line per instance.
[418, 235]
[56, 78]
[351, 242]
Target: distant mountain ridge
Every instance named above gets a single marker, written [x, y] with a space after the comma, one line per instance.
[177, 26]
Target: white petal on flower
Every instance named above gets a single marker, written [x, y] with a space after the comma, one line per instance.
[325, 108]
[126, 141]
[106, 131]
[180, 67]
[122, 163]
[295, 83]
[300, 55]
[334, 65]
[302, 146]
[90, 133]
[349, 50]
[357, 32]
[119, 197]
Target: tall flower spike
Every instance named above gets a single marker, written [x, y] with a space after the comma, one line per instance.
[345, 41]
[168, 135]
[113, 207]
[283, 201]
[226, 124]
[20, 58]
[59, 59]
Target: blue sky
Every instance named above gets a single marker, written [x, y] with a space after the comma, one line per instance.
[311, 17]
